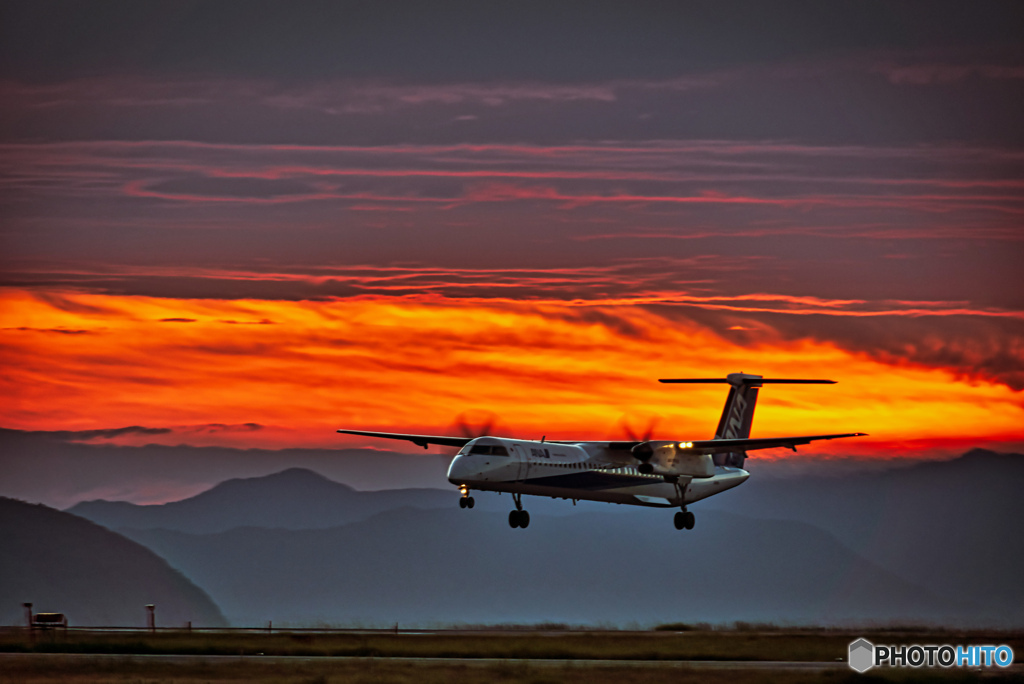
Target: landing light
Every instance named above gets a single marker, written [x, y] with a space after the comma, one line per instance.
[686, 445]
[464, 490]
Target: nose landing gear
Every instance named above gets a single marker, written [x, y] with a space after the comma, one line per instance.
[518, 517]
[684, 519]
[466, 501]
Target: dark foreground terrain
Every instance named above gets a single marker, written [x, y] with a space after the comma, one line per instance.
[387, 672]
[735, 656]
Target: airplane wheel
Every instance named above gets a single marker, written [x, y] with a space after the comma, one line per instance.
[690, 520]
[470, 502]
[680, 520]
[524, 519]
[513, 519]
[462, 502]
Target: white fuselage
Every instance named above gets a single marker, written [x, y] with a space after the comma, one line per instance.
[577, 471]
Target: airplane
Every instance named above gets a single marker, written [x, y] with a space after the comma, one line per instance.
[639, 472]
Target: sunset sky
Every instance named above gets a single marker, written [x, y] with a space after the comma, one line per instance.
[249, 223]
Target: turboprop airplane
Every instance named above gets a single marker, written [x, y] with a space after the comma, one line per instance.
[658, 473]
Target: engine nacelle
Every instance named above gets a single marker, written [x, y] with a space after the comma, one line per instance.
[674, 458]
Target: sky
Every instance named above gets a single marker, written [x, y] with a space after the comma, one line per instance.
[248, 224]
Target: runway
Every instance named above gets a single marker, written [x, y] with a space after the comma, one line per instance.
[759, 665]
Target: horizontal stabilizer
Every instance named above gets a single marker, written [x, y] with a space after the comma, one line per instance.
[758, 381]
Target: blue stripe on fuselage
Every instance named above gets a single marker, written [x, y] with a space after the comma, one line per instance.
[592, 480]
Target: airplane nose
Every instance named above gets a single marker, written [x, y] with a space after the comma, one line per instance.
[458, 470]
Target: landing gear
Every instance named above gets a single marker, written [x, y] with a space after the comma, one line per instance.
[684, 520]
[518, 517]
[466, 501]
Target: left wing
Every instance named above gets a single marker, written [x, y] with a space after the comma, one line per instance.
[418, 440]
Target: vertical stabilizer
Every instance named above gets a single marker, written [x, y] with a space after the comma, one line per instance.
[738, 414]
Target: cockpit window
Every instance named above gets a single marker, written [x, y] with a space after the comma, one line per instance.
[489, 450]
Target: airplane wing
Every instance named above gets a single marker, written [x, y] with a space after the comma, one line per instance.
[707, 446]
[722, 446]
[715, 446]
[418, 440]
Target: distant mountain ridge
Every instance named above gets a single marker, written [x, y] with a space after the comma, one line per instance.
[950, 526]
[948, 530]
[451, 566]
[295, 498]
[63, 563]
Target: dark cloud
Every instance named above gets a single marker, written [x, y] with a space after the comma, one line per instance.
[114, 433]
[226, 189]
[970, 347]
[825, 214]
[223, 427]
[187, 287]
[89, 435]
[623, 278]
[467, 40]
[62, 303]
[827, 100]
[58, 331]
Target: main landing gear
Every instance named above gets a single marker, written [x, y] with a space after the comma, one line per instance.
[518, 517]
[684, 520]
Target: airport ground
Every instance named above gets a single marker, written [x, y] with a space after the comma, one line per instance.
[590, 657]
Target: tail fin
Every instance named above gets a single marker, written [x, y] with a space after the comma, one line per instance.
[738, 414]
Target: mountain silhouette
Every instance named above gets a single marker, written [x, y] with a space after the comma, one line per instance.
[946, 532]
[296, 498]
[450, 566]
[952, 527]
[63, 563]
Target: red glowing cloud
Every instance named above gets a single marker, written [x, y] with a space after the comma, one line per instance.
[303, 369]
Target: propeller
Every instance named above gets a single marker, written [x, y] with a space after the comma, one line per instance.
[642, 451]
[471, 424]
[476, 423]
[634, 436]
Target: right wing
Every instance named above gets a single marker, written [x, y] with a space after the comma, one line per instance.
[716, 446]
[720, 446]
[418, 440]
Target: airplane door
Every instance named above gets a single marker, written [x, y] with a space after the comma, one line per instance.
[521, 462]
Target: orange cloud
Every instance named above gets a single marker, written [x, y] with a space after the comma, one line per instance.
[303, 369]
